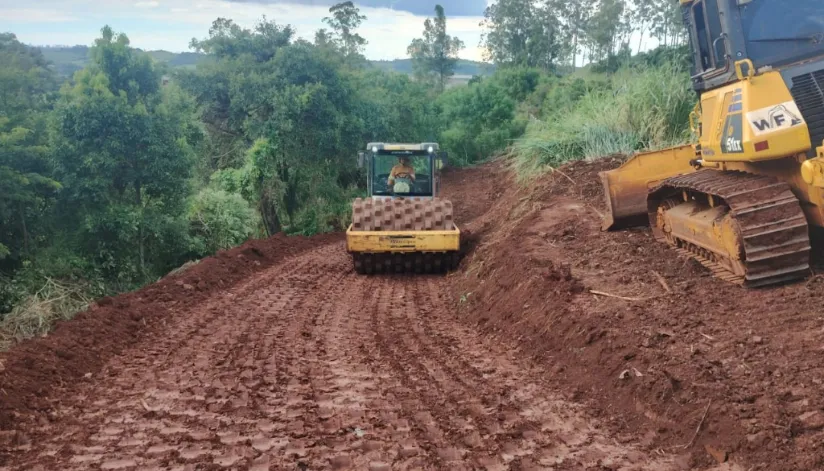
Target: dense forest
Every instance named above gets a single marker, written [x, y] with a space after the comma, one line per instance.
[131, 167]
[66, 60]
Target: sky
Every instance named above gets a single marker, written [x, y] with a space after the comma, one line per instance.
[171, 24]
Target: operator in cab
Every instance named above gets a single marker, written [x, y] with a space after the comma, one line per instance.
[403, 169]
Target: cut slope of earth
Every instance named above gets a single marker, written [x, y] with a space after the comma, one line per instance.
[664, 349]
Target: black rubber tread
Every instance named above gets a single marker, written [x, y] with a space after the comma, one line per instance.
[442, 262]
[774, 230]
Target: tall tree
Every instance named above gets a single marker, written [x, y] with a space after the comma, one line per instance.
[435, 55]
[605, 27]
[123, 152]
[288, 117]
[345, 20]
[522, 33]
[643, 15]
[26, 183]
[669, 28]
[574, 16]
[228, 40]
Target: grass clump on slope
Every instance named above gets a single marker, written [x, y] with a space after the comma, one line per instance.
[633, 110]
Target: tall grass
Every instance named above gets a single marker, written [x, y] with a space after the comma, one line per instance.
[640, 109]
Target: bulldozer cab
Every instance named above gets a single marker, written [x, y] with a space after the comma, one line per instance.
[402, 170]
[750, 35]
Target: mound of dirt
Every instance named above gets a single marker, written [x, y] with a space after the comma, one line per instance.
[30, 370]
[650, 341]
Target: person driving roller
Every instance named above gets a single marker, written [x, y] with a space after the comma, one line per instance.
[402, 176]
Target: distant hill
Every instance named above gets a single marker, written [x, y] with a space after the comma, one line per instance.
[69, 59]
[464, 67]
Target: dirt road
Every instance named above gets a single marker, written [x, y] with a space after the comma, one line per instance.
[309, 366]
[306, 365]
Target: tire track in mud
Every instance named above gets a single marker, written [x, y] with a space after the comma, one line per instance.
[309, 366]
[493, 406]
[212, 396]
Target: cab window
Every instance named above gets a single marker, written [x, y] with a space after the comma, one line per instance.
[707, 36]
[383, 164]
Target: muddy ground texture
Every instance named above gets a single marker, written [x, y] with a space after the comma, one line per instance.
[276, 355]
[682, 349]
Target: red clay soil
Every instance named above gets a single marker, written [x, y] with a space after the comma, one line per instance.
[35, 372]
[301, 365]
[513, 362]
[704, 370]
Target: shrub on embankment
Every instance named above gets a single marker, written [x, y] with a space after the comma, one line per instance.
[632, 110]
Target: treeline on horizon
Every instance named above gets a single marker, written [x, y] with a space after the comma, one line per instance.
[112, 178]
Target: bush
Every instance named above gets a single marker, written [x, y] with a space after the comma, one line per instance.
[220, 220]
[478, 121]
[329, 206]
[643, 108]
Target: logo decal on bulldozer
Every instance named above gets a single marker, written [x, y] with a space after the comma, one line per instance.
[775, 118]
[731, 139]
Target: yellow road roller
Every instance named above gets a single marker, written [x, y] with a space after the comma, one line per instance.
[403, 226]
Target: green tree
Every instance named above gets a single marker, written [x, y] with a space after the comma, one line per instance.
[293, 121]
[522, 33]
[26, 184]
[436, 54]
[228, 40]
[643, 15]
[345, 20]
[479, 120]
[669, 28]
[124, 153]
[574, 16]
[605, 27]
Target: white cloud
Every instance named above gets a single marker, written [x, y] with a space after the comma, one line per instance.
[162, 25]
[10, 16]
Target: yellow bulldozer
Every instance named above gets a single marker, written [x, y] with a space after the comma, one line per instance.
[403, 225]
[745, 197]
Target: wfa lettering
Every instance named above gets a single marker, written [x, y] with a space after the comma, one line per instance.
[768, 120]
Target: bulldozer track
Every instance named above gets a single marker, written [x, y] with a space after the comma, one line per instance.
[774, 230]
[401, 214]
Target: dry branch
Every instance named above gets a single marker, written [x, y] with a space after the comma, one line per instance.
[662, 281]
[698, 429]
[625, 298]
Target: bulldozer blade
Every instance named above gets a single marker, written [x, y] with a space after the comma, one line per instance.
[626, 187]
